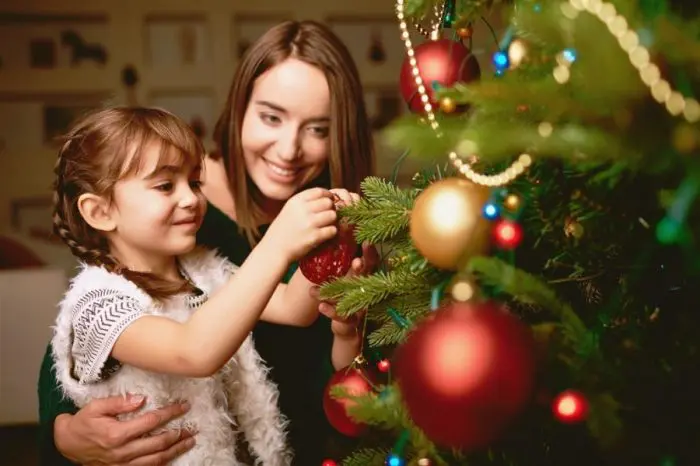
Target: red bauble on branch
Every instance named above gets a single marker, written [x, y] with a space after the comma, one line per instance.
[331, 259]
[443, 61]
[356, 382]
[465, 373]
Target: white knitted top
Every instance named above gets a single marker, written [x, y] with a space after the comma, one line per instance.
[99, 305]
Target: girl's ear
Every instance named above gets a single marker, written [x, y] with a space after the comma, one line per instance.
[96, 212]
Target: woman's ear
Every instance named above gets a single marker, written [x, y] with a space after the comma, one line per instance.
[96, 212]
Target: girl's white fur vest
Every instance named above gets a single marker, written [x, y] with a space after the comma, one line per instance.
[239, 398]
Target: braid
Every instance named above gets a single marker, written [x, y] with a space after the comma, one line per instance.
[155, 286]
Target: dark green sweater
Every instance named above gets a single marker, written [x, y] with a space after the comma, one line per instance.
[299, 361]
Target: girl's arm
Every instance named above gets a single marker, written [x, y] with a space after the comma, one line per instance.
[203, 344]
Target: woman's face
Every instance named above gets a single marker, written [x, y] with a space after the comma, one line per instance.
[285, 129]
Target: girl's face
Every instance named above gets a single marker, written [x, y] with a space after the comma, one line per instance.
[285, 129]
[157, 210]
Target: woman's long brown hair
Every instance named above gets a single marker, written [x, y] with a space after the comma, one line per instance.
[351, 147]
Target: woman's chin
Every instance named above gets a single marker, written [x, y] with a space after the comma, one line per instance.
[278, 192]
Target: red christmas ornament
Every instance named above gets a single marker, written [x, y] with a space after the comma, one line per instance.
[356, 382]
[332, 259]
[507, 234]
[443, 61]
[570, 407]
[465, 373]
[383, 365]
[329, 463]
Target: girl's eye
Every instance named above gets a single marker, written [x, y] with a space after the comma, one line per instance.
[196, 185]
[165, 187]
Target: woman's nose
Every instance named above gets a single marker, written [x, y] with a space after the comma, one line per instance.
[288, 147]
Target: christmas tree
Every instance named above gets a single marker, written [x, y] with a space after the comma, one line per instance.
[534, 305]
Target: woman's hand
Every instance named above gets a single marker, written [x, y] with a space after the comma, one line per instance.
[94, 436]
[346, 327]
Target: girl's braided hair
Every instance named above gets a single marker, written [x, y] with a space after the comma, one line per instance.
[101, 149]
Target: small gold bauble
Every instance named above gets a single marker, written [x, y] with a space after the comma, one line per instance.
[685, 139]
[447, 105]
[465, 33]
[512, 202]
[573, 228]
[462, 289]
[447, 226]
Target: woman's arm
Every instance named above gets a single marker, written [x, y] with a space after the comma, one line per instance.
[347, 339]
[292, 304]
[52, 404]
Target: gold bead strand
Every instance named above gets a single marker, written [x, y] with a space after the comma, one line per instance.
[639, 56]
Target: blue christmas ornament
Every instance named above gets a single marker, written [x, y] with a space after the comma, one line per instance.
[394, 460]
[569, 55]
[501, 61]
[491, 211]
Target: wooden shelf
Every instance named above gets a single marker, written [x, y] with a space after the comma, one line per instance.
[78, 80]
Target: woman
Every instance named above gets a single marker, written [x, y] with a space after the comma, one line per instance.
[295, 118]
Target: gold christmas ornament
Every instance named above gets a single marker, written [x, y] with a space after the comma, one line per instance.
[573, 228]
[512, 202]
[447, 226]
[447, 105]
[685, 138]
[465, 33]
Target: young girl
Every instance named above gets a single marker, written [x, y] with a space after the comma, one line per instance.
[150, 314]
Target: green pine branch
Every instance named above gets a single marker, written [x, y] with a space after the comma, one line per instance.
[386, 411]
[367, 457]
[528, 289]
[390, 333]
[383, 213]
[354, 294]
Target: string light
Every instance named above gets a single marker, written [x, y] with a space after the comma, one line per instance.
[491, 211]
[639, 56]
[499, 179]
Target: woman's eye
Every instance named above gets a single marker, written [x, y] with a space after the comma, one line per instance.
[319, 131]
[270, 118]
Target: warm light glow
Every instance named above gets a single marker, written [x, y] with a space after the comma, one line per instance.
[516, 53]
[507, 232]
[457, 360]
[567, 405]
[462, 291]
[443, 208]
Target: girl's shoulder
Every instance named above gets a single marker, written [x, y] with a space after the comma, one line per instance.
[207, 268]
[94, 280]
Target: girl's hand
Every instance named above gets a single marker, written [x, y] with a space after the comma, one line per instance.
[307, 219]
